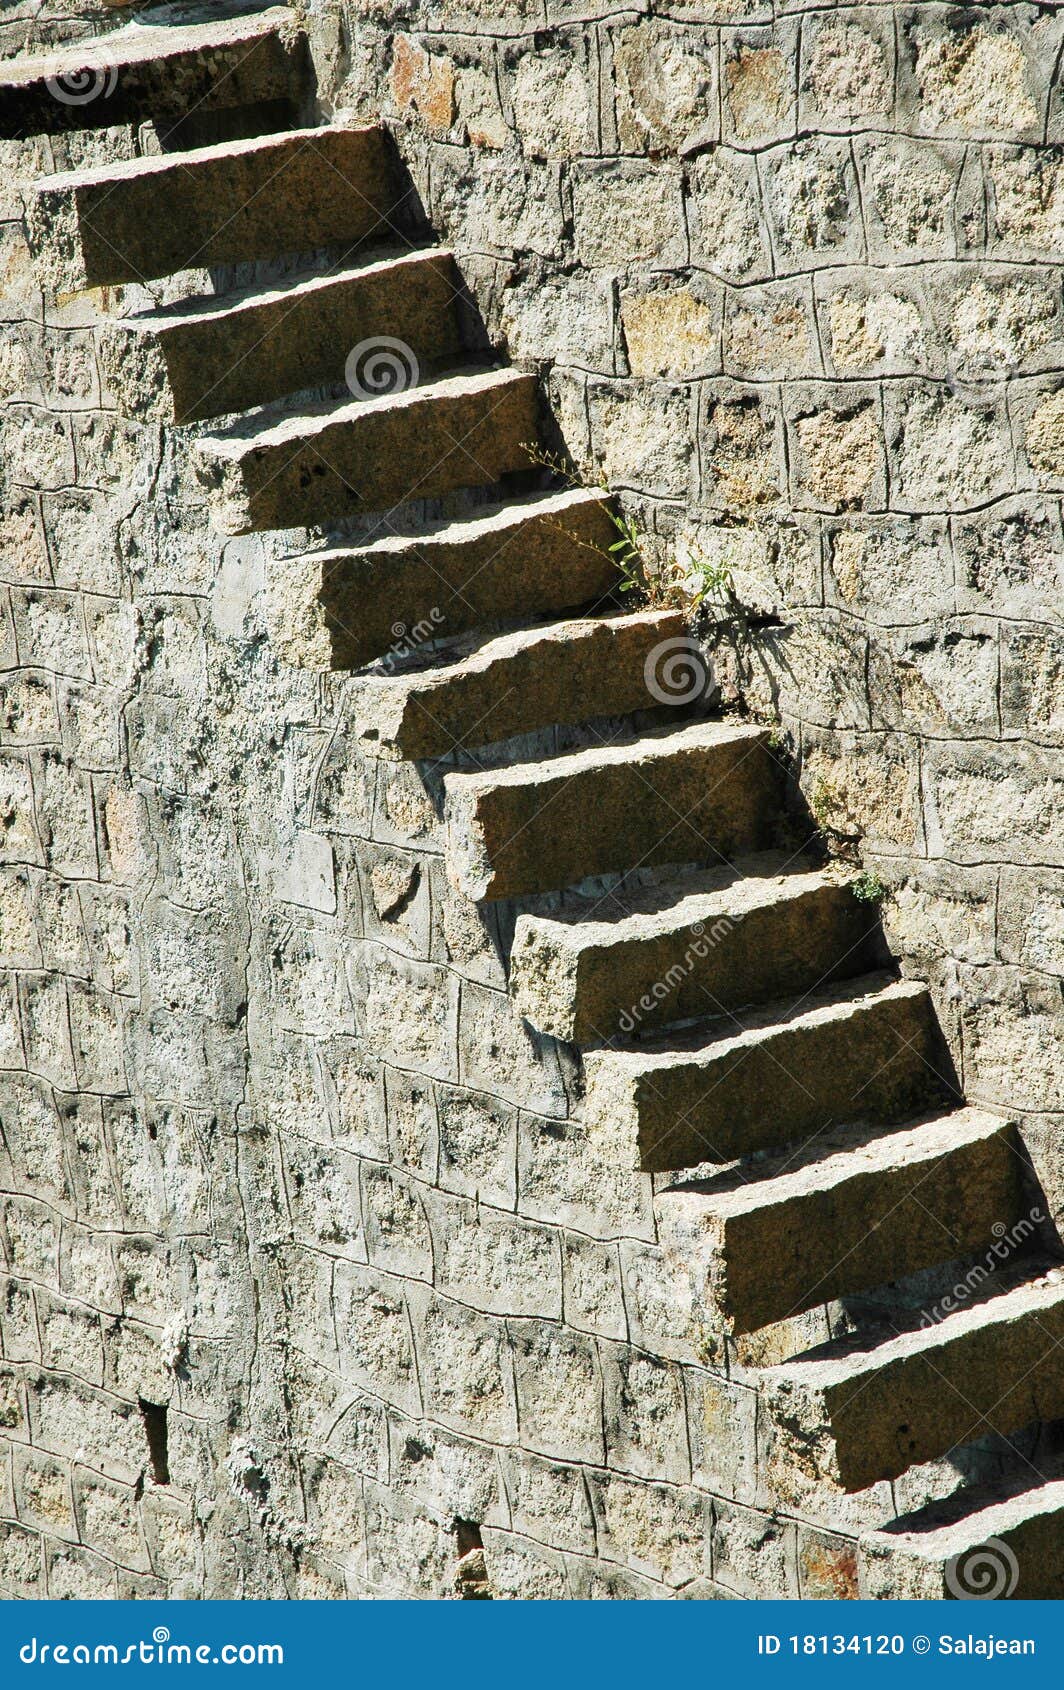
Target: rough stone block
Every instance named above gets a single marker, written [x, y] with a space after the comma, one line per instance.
[465, 1369]
[860, 1411]
[864, 1209]
[724, 939]
[225, 205]
[129, 76]
[340, 460]
[645, 1415]
[559, 1391]
[976, 1544]
[549, 1501]
[205, 358]
[987, 804]
[863, 1051]
[517, 683]
[340, 609]
[493, 1262]
[655, 1530]
[626, 213]
[517, 831]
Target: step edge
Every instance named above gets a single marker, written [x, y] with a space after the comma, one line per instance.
[512, 515]
[158, 163]
[520, 641]
[38, 67]
[605, 936]
[291, 431]
[829, 1373]
[845, 1002]
[237, 303]
[463, 784]
[841, 1166]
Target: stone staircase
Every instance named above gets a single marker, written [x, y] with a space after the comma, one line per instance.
[741, 1038]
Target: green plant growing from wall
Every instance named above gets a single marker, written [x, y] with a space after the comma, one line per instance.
[824, 801]
[674, 585]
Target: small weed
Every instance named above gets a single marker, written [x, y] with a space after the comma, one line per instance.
[626, 551]
[823, 801]
[868, 887]
[689, 582]
[627, 555]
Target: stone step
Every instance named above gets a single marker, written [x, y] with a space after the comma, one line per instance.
[678, 796]
[721, 940]
[871, 1405]
[138, 73]
[244, 200]
[517, 683]
[771, 1240]
[982, 1544]
[341, 609]
[331, 461]
[211, 357]
[862, 1051]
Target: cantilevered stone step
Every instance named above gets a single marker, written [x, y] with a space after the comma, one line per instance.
[985, 1543]
[863, 1051]
[209, 357]
[860, 1410]
[341, 609]
[681, 796]
[332, 461]
[567, 672]
[773, 1239]
[140, 72]
[245, 200]
[720, 940]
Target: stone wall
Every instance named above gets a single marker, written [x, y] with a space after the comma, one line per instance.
[310, 1282]
[791, 272]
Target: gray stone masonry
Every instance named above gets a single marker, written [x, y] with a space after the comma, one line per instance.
[454, 1133]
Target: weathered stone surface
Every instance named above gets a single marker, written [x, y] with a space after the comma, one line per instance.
[341, 609]
[225, 204]
[203, 359]
[337, 460]
[846, 1054]
[163, 74]
[625, 214]
[720, 940]
[539, 827]
[666, 92]
[858, 1411]
[862, 1210]
[986, 1545]
[291, 1076]
[513, 684]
